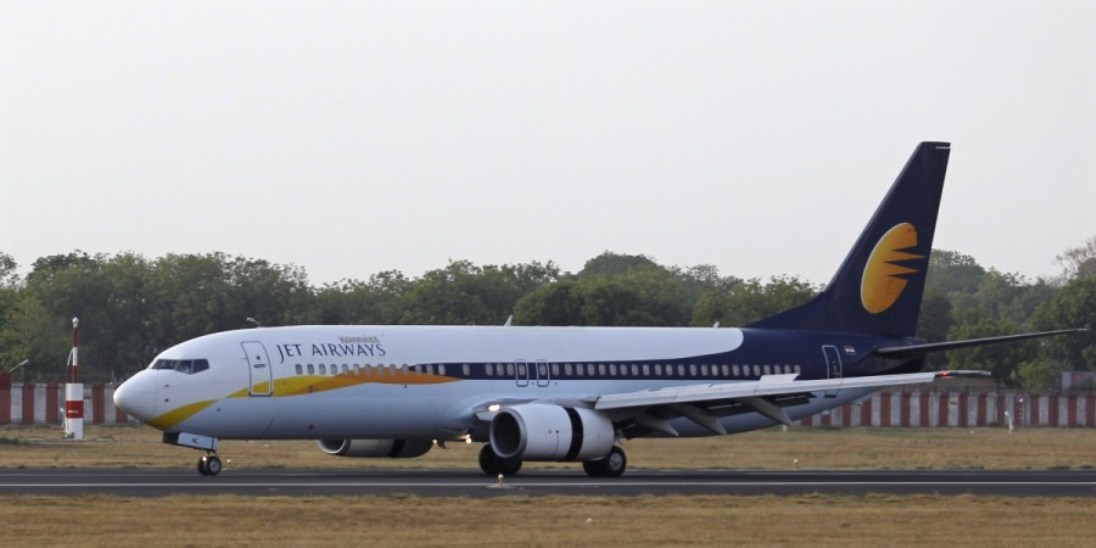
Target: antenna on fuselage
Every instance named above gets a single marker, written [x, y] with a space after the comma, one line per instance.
[253, 322]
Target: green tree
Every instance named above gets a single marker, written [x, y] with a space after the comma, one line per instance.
[1073, 307]
[1080, 261]
[615, 264]
[32, 333]
[1001, 360]
[550, 305]
[953, 272]
[463, 293]
[742, 303]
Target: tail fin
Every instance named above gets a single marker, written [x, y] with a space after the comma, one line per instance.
[878, 288]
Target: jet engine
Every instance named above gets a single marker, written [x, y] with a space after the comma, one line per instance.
[368, 448]
[541, 431]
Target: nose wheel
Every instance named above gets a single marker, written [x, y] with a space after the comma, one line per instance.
[209, 465]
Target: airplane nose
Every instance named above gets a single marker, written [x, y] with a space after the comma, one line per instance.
[137, 396]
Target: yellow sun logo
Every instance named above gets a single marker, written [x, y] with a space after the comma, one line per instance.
[885, 279]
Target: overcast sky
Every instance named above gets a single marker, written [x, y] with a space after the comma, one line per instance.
[355, 137]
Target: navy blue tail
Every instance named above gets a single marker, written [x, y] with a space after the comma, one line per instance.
[878, 288]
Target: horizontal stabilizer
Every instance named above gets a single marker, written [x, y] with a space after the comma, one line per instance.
[918, 350]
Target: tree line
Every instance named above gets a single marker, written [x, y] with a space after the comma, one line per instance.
[131, 307]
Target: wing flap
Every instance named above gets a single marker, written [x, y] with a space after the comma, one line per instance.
[768, 385]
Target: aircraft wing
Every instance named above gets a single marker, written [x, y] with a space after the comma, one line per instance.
[652, 408]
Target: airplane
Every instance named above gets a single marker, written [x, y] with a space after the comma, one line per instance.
[565, 393]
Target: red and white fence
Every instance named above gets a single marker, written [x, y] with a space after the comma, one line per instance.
[30, 403]
[933, 409]
[44, 403]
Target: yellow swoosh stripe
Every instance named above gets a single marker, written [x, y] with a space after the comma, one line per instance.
[179, 414]
[301, 385]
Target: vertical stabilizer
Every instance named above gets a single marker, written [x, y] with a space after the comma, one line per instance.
[878, 288]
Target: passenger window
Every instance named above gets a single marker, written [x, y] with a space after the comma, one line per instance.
[734, 370]
[692, 370]
[757, 370]
[766, 369]
[797, 368]
[346, 368]
[646, 370]
[300, 370]
[466, 370]
[441, 369]
[555, 369]
[311, 370]
[489, 369]
[581, 370]
[568, 370]
[601, 369]
[658, 369]
[612, 369]
[323, 369]
[704, 370]
[681, 370]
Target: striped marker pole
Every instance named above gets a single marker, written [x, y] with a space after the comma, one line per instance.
[74, 390]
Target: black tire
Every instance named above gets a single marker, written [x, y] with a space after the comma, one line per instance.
[611, 466]
[489, 461]
[493, 465]
[213, 465]
[511, 467]
[202, 467]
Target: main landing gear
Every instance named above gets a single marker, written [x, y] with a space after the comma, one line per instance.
[493, 465]
[209, 465]
[610, 466]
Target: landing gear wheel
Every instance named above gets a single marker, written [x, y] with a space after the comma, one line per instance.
[209, 465]
[493, 465]
[612, 466]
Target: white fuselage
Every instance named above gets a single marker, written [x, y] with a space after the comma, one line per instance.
[433, 382]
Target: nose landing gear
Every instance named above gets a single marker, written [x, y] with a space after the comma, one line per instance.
[209, 465]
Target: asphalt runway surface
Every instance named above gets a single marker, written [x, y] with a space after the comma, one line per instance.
[467, 483]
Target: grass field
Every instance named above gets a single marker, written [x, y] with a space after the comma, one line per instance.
[806, 448]
[586, 521]
[822, 520]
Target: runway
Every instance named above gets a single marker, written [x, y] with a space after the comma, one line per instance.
[465, 483]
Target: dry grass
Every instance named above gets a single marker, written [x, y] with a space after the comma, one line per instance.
[612, 521]
[599, 521]
[893, 448]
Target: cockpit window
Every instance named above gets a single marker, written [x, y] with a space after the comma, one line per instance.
[183, 366]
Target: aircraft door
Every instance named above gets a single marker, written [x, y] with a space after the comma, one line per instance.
[544, 375]
[833, 366]
[521, 373]
[260, 372]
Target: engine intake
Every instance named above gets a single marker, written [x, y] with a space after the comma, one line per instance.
[542, 431]
[370, 448]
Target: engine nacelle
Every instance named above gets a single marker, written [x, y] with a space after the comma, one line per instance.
[542, 431]
[394, 449]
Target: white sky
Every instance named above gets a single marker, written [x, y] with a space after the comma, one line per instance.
[354, 137]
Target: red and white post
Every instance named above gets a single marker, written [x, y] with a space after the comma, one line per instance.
[74, 390]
